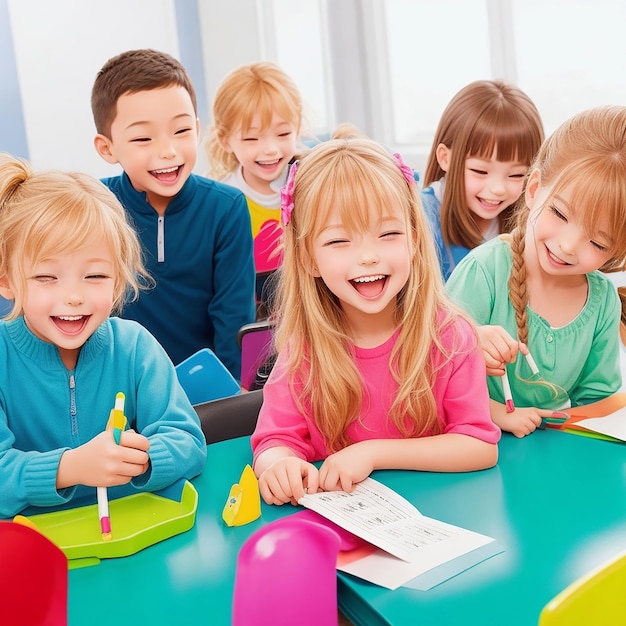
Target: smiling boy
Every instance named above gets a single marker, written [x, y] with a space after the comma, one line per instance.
[195, 232]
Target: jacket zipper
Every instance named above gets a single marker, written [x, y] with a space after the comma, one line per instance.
[73, 406]
[161, 239]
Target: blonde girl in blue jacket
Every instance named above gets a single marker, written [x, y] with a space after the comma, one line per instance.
[68, 259]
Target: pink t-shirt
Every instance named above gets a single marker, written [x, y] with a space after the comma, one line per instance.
[460, 390]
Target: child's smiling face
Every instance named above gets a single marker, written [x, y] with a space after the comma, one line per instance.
[263, 152]
[154, 137]
[365, 270]
[563, 244]
[68, 296]
[491, 186]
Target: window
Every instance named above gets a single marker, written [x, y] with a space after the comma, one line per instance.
[570, 55]
[300, 50]
[435, 48]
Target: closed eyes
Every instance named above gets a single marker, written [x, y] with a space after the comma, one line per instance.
[562, 217]
[558, 213]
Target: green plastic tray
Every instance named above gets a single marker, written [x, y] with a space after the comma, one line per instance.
[137, 521]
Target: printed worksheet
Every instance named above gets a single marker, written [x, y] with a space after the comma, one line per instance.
[409, 543]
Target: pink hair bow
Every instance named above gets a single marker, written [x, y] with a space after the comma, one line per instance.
[286, 195]
[407, 171]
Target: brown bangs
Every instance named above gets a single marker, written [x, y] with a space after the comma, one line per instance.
[509, 134]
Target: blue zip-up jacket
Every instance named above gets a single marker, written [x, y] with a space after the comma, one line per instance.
[449, 255]
[200, 254]
[45, 409]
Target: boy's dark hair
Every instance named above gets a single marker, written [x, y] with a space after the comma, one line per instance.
[130, 72]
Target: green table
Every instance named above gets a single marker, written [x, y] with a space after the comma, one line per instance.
[555, 502]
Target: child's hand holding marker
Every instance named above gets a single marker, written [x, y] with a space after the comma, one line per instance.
[525, 420]
[101, 462]
[499, 348]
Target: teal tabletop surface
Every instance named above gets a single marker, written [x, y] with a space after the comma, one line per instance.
[555, 503]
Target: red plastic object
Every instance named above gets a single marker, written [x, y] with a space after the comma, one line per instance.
[33, 578]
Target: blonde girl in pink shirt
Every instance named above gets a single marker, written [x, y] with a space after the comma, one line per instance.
[376, 368]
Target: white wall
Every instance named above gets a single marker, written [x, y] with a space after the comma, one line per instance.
[59, 48]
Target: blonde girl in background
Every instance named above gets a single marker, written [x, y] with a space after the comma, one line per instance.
[539, 289]
[68, 259]
[376, 369]
[486, 139]
[257, 119]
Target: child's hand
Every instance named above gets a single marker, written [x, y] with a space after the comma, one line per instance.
[521, 422]
[285, 480]
[102, 463]
[499, 348]
[344, 469]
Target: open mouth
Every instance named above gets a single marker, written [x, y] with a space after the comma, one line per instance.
[555, 259]
[489, 204]
[268, 164]
[167, 174]
[370, 286]
[71, 324]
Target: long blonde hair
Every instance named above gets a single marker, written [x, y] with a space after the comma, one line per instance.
[352, 176]
[483, 117]
[51, 212]
[261, 89]
[586, 155]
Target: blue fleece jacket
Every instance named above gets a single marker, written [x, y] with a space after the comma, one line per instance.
[449, 255]
[46, 409]
[200, 254]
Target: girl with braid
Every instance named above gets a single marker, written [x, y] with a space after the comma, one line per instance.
[541, 288]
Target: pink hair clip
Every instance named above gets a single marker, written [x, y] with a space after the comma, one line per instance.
[407, 171]
[286, 195]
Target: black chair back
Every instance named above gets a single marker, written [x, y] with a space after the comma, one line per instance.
[231, 417]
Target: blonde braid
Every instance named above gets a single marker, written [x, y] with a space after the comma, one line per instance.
[518, 291]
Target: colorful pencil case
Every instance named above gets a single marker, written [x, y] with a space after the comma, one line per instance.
[137, 521]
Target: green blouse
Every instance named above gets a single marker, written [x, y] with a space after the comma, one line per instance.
[580, 359]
